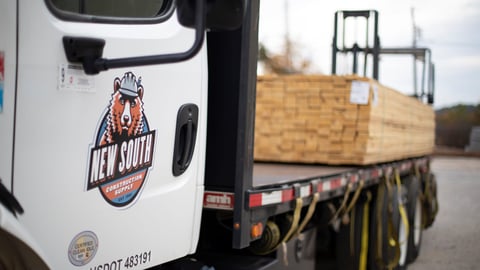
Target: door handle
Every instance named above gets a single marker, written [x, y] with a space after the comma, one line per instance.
[185, 136]
[184, 160]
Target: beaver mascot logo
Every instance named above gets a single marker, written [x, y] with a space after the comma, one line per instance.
[125, 113]
[124, 144]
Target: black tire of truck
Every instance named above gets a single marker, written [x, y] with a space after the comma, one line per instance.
[414, 209]
[351, 245]
[379, 226]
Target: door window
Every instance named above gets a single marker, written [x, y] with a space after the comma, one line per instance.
[110, 9]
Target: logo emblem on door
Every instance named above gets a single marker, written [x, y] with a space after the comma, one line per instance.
[122, 152]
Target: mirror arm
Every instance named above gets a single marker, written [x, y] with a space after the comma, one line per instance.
[88, 51]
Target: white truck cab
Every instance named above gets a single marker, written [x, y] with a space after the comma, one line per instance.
[107, 169]
[107, 161]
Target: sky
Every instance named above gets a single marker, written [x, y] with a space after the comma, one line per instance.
[451, 29]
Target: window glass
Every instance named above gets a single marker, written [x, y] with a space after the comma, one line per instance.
[114, 8]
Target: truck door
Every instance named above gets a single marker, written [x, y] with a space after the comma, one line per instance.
[94, 165]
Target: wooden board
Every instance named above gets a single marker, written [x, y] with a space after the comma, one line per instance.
[310, 119]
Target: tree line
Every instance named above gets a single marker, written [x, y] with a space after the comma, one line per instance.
[454, 124]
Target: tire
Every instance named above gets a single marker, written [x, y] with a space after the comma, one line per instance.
[414, 211]
[269, 240]
[350, 241]
[380, 220]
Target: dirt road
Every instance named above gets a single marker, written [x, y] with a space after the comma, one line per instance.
[453, 242]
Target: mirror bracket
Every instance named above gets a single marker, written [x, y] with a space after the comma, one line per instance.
[88, 51]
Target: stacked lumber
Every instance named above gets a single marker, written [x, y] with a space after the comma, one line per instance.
[316, 119]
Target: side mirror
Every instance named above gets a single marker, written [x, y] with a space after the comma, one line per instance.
[221, 15]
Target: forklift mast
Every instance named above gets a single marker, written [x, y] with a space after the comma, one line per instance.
[372, 47]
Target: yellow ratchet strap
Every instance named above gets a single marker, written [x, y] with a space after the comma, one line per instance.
[392, 232]
[355, 197]
[365, 236]
[401, 208]
[350, 209]
[343, 205]
[293, 227]
[392, 236]
[296, 219]
[296, 229]
[309, 214]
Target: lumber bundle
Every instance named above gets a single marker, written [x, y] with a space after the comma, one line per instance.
[342, 120]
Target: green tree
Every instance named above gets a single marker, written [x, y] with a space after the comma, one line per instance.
[288, 62]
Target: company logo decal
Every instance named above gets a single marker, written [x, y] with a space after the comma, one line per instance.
[218, 200]
[123, 150]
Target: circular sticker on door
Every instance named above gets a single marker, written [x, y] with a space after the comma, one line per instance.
[83, 248]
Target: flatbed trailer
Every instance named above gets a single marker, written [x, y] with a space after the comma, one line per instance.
[245, 196]
[279, 188]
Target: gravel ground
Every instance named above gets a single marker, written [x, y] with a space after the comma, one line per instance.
[453, 240]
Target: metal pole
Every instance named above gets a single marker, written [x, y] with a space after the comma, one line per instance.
[414, 45]
[334, 45]
[367, 49]
[376, 47]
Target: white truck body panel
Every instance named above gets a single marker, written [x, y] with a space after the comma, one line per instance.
[7, 87]
[58, 143]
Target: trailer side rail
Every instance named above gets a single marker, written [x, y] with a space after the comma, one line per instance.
[267, 201]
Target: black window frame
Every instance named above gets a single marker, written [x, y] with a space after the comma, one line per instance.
[86, 18]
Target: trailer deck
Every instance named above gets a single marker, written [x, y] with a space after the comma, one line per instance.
[269, 174]
[279, 183]
[278, 188]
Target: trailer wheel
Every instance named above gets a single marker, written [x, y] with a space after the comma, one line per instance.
[269, 240]
[414, 211]
[352, 238]
[383, 250]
